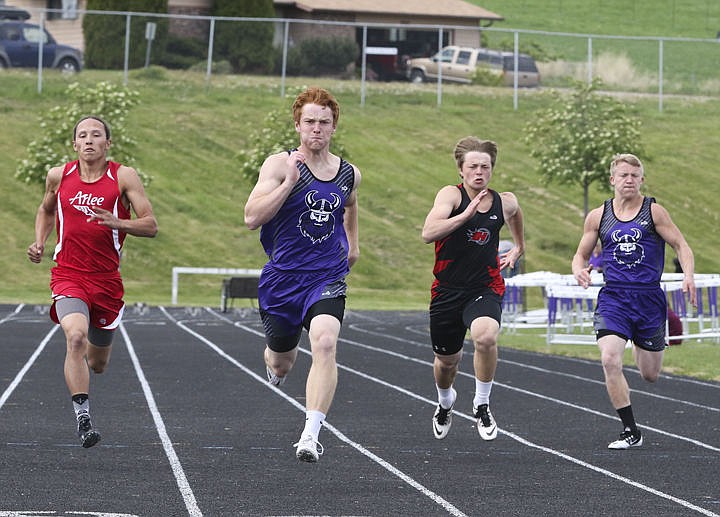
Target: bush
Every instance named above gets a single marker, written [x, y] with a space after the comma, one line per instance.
[246, 45]
[183, 52]
[319, 56]
[487, 76]
[277, 134]
[105, 34]
[54, 148]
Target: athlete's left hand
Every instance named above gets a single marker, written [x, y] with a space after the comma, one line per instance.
[510, 258]
[104, 217]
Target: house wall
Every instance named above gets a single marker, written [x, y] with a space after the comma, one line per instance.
[67, 32]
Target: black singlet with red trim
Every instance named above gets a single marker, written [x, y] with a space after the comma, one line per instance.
[467, 258]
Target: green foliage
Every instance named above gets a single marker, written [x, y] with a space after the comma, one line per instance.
[532, 48]
[183, 52]
[322, 56]
[105, 34]
[575, 139]
[277, 134]
[246, 45]
[486, 76]
[53, 146]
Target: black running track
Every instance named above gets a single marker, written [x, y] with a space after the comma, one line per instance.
[190, 427]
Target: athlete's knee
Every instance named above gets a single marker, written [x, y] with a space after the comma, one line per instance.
[650, 375]
[611, 363]
[76, 341]
[280, 362]
[447, 363]
[97, 364]
[484, 342]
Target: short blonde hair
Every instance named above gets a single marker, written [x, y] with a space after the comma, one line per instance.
[626, 158]
[473, 143]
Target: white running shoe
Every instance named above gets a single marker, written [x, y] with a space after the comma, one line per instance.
[308, 449]
[272, 378]
[486, 425]
[627, 440]
[442, 420]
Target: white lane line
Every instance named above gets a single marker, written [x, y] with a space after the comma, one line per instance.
[553, 372]
[18, 378]
[685, 380]
[342, 437]
[180, 478]
[12, 314]
[514, 436]
[534, 394]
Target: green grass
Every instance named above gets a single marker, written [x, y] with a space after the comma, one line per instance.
[189, 132]
[688, 67]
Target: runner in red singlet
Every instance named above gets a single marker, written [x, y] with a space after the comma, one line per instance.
[90, 202]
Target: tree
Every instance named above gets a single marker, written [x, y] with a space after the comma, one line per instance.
[576, 140]
[105, 33]
[246, 45]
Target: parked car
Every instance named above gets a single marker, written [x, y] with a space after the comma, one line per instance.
[459, 65]
[19, 42]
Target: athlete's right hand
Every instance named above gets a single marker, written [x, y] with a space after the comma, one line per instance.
[294, 159]
[583, 277]
[35, 252]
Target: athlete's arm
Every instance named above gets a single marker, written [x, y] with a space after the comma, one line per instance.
[591, 229]
[45, 216]
[133, 195]
[666, 228]
[277, 177]
[514, 218]
[350, 221]
[438, 223]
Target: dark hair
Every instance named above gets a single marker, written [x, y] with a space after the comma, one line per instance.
[93, 117]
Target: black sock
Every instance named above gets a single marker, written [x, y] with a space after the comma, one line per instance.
[80, 398]
[628, 420]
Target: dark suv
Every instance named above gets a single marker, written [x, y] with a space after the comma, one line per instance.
[19, 42]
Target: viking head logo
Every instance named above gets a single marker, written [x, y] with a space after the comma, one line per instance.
[628, 251]
[318, 222]
[479, 236]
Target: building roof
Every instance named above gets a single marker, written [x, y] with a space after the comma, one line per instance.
[446, 8]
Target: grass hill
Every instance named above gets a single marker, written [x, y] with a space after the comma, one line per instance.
[188, 134]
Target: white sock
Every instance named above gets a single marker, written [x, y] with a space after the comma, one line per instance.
[446, 396]
[482, 392]
[313, 422]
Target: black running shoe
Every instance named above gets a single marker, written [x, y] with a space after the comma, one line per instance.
[627, 439]
[88, 436]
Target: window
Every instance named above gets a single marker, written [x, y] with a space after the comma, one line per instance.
[67, 9]
[463, 57]
[34, 35]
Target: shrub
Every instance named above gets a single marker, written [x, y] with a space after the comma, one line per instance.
[487, 76]
[246, 45]
[53, 148]
[105, 34]
[183, 52]
[323, 56]
[277, 134]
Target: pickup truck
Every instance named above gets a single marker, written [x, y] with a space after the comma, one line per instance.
[459, 64]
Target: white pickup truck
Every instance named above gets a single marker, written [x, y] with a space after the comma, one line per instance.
[459, 64]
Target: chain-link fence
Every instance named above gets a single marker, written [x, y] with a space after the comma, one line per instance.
[283, 48]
